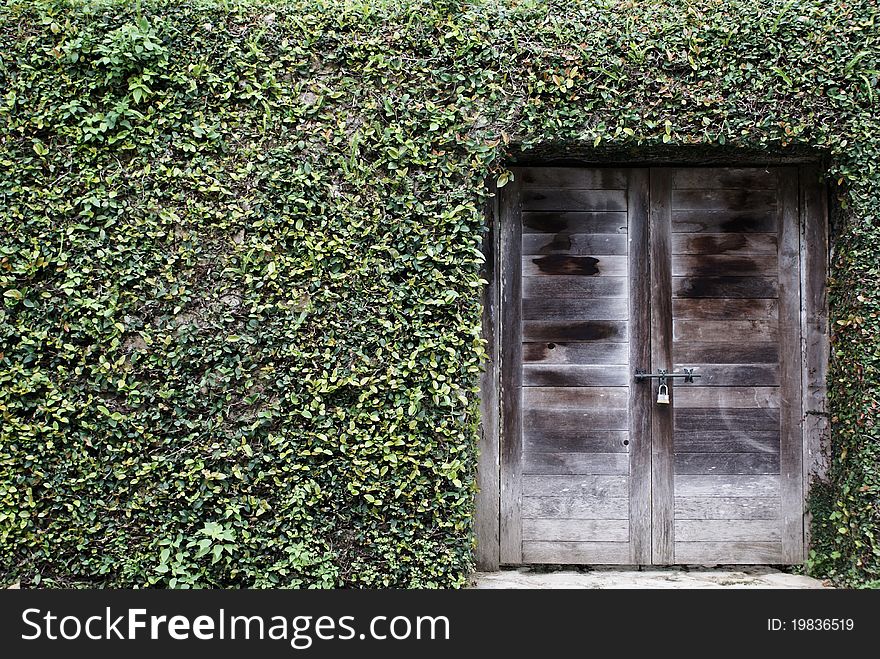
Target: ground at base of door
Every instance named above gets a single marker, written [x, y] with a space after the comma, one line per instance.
[735, 577]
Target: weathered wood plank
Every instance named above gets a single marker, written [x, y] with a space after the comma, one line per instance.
[727, 508]
[577, 553]
[562, 286]
[576, 507]
[716, 397]
[728, 199]
[734, 375]
[725, 287]
[638, 204]
[487, 499]
[727, 486]
[724, 221]
[562, 199]
[574, 222]
[574, 530]
[726, 441]
[707, 331]
[573, 441]
[568, 420]
[599, 244]
[511, 375]
[575, 398]
[576, 178]
[725, 309]
[662, 474]
[791, 434]
[728, 553]
[727, 530]
[576, 463]
[713, 418]
[726, 463]
[701, 178]
[580, 266]
[724, 243]
[743, 352]
[814, 320]
[604, 308]
[724, 265]
[575, 486]
[613, 331]
[595, 353]
[573, 375]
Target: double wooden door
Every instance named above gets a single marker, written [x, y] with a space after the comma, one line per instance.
[608, 272]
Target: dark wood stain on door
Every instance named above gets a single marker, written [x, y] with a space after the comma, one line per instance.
[561, 264]
[609, 270]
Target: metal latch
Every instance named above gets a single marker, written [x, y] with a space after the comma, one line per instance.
[663, 375]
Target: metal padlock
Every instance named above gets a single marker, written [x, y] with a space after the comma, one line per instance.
[663, 394]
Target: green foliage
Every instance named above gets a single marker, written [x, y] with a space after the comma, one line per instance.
[846, 522]
[240, 261]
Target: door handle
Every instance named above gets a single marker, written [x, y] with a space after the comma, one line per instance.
[663, 375]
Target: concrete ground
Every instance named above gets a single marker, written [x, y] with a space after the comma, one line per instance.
[744, 577]
[733, 577]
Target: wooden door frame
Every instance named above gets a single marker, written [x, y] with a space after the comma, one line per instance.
[814, 255]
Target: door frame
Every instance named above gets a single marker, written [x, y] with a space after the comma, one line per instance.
[814, 255]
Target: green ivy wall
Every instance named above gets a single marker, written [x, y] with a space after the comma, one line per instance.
[240, 255]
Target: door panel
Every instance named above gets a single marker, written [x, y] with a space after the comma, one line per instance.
[733, 321]
[574, 258]
[604, 271]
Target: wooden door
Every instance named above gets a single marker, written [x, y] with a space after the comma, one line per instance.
[727, 473]
[576, 435]
[605, 271]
